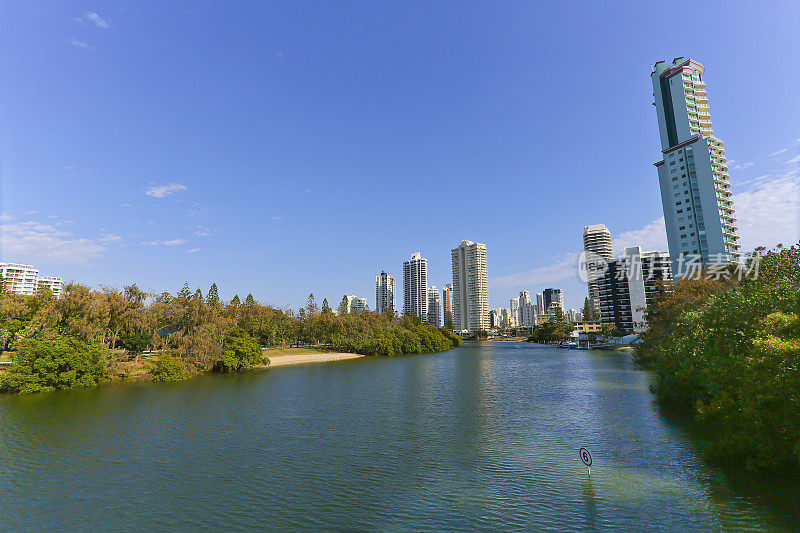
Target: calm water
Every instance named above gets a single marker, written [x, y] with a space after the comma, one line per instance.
[484, 437]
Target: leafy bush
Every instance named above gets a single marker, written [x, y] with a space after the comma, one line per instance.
[168, 368]
[54, 363]
[241, 352]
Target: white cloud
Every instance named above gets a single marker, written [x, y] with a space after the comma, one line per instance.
[778, 152]
[768, 212]
[277, 218]
[5, 217]
[198, 210]
[162, 191]
[743, 166]
[80, 44]
[173, 242]
[107, 238]
[194, 250]
[202, 231]
[560, 268]
[33, 241]
[95, 19]
[651, 237]
[795, 159]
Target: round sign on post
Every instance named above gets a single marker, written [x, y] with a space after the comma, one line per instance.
[586, 457]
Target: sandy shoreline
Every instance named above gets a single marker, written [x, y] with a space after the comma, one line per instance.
[299, 359]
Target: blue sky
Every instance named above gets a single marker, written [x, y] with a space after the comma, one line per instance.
[282, 148]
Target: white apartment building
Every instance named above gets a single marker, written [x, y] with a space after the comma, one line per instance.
[513, 305]
[598, 250]
[384, 292]
[355, 303]
[20, 279]
[470, 287]
[434, 307]
[693, 175]
[51, 282]
[527, 310]
[415, 286]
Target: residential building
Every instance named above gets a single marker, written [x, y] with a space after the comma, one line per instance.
[630, 285]
[356, 304]
[693, 175]
[470, 287]
[513, 305]
[506, 320]
[527, 310]
[415, 286]
[384, 292]
[50, 282]
[496, 318]
[434, 307]
[573, 314]
[447, 304]
[551, 296]
[598, 250]
[540, 310]
[19, 279]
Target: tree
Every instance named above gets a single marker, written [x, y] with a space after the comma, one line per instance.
[54, 363]
[241, 353]
[586, 311]
[235, 302]
[212, 298]
[249, 301]
[185, 293]
[325, 307]
[135, 343]
[311, 306]
[343, 310]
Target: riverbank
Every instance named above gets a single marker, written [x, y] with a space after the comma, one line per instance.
[300, 356]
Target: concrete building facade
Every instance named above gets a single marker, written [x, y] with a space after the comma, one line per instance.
[384, 292]
[470, 287]
[693, 174]
[415, 286]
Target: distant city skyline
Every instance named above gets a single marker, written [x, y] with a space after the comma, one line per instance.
[268, 164]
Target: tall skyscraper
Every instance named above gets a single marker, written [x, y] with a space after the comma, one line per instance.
[513, 305]
[693, 174]
[552, 296]
[540, 310]
[470, 287]
[434, 307]
[629, 285]
[415, 286]
[598, 252]
[527, 309]
[447, 304]
[384, 292]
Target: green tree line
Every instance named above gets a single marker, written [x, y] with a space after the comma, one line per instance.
[188, 331]
[729, 351]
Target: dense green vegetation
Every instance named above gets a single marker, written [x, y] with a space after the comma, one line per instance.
[241, 352]
[730, 351]
[187, 332]
[56, 363]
